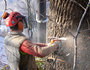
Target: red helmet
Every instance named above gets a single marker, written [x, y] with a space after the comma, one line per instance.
[12, 18]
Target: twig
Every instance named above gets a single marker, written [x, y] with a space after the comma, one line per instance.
[84, 30]
[9, 9]
[71, 34]
[88, 24]
[78, 4]
[6, 6]
[76, 36]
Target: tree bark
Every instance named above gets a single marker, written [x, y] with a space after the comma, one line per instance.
[63, 21]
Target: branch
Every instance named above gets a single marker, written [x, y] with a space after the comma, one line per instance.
[5, 4]
[82, 18]
[85, 30]
[71, 34]
[78, 4]
[76, 36]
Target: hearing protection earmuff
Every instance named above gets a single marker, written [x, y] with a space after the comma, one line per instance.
[20, 26]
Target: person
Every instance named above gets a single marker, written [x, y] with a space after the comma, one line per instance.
[21, 51]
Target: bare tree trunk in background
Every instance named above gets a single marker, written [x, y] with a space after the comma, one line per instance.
[0, 20]
[63, 21]
[29, 14]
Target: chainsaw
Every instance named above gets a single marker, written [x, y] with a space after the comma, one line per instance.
[53, 39]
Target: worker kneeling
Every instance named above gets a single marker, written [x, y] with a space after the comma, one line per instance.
[20, 50]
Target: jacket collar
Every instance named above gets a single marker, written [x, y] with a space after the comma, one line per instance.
[16, 33]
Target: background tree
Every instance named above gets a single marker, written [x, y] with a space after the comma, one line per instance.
[0, 20]
[64, 19]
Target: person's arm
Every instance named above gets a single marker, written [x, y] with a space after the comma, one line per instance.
[41, 44]
[36, 50]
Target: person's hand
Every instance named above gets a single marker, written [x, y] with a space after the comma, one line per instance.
[56, 42]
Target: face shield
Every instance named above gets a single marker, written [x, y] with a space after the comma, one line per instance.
[25, 22]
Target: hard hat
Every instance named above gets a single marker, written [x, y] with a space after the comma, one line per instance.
[12, 18]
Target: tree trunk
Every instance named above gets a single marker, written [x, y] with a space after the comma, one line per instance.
[64, 19]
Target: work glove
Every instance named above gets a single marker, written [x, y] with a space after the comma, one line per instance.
[57, 43]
